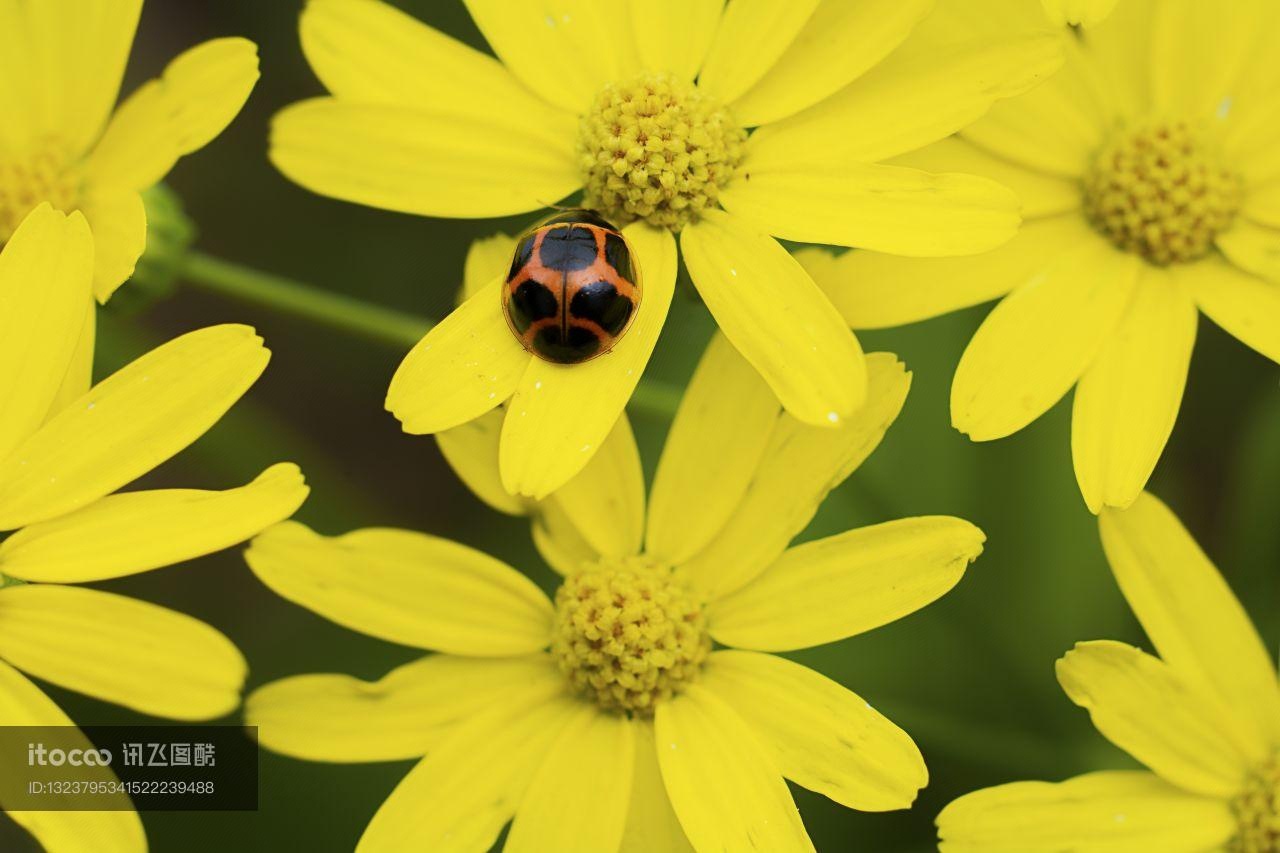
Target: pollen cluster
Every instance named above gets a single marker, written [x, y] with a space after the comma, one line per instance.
[628, 635]
[28, 181]
[656, 149]
[1257, 809]
[1161, 191]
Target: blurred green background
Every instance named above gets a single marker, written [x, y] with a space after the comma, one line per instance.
[971, 677]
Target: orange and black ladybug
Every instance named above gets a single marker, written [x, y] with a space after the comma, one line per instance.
[573, 288]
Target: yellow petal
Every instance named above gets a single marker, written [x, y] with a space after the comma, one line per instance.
[953, 23]
[797, 469]
[872, 290]
[1198, 53]
[870, 206]
[45, 270]
[723, 782]
[182, 111]
[1253, 248]
[368, 51]
[459, 796]
[711, 453]
[1056, 127]
[1139, 703]
[604, 502]
[404, 714]
[129, 423]
[905, 104]
[115, 648]
[842, 585]
[1113, 810]
[1245, 306]
[1249, 114]
[18, 96]
[773, 313]
[1039, 340]
[1041, 195]
[438, 161]
[651, 822]
[1250, 142]
[838, 43]
[406, 587]
[1262, 204]
[560, 413]
[558, 540]
[825, 737]
[462, 368]
[79, 376]
[674, 35]
[1128, 399]
[751, 38]
[1121, 47]
[1082, 13]
[62, 64]
[487, 258]
[24, 704]
[136, 531]
[577, 800]
[119, 222]
[471, 449]
[1188, 611]
[564, 51]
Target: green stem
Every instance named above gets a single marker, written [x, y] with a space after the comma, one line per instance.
[302, 300]
[355, 316]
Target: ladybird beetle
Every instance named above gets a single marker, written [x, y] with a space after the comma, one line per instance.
[573, 288]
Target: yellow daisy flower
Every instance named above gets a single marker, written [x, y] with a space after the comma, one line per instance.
[61, 63]
[1204, 717]
[728, 125]
[607, 720]
[58, 468]
[1148, 175]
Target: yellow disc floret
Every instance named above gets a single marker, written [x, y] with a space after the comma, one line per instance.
[628, 634]
[1161, 190]
[25, 182]
[656, 149]
[1257, 809]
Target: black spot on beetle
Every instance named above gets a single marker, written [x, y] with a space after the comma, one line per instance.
[524, 251]
[577, 344]
[619, 256]
[568, 248]
[601, 303]
[531, 301]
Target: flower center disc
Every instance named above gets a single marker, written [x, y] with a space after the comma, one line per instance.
[628, 634]
[1257, 809]
[1161, 191]
[26, 182]
[656, 149]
